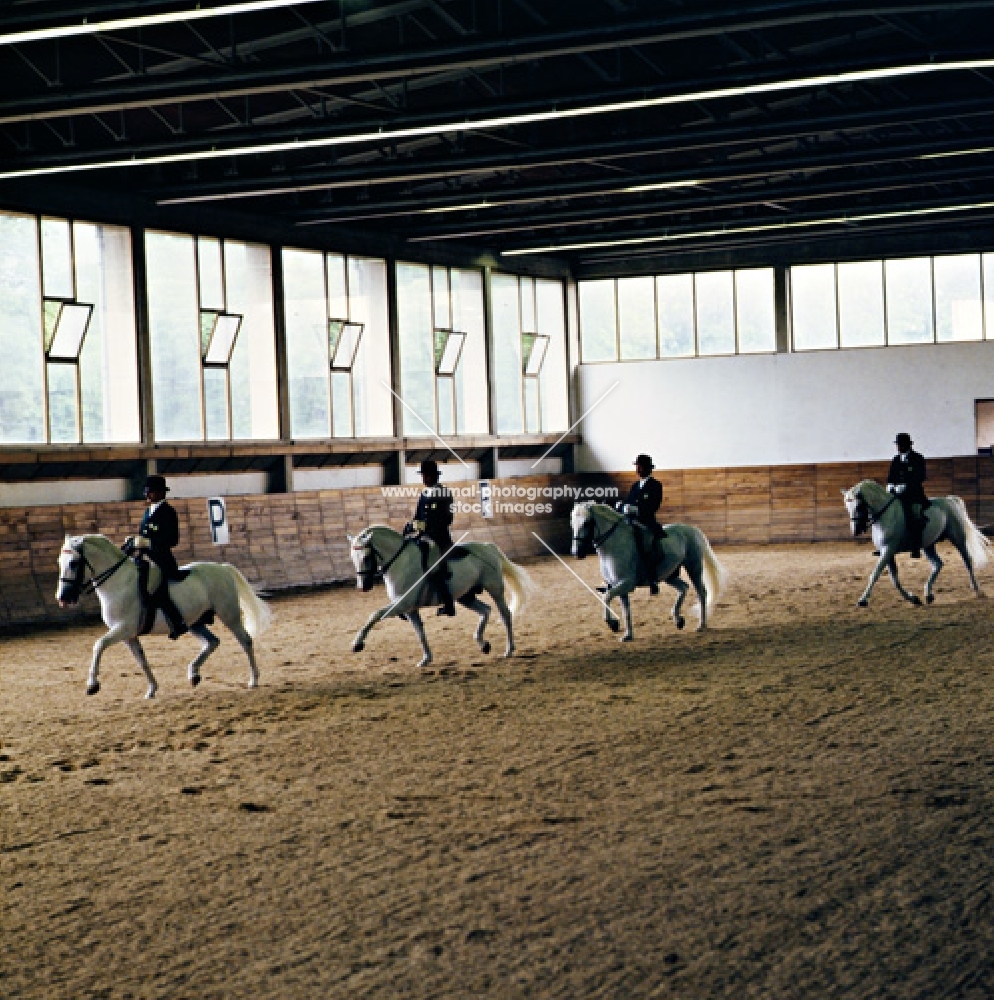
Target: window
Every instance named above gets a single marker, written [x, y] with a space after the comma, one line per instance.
[67, 333]
[959, 313]
[861, 304]
[678, 315]
[212, 339]
[338, 345]
[813, 307]
[908, 286]
[442, 350]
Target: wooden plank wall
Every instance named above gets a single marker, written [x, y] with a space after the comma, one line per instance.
[279, 541]
[282, 541]
[800, 503]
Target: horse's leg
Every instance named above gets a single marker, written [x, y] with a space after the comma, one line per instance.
[244, 640]
[209, 642]
[377, 616]
[414, 617]
[117, 634]
[681, 589]
[483, 610]
[885, 557]
[892, 569]
[505, 616]
[620, 590]
[139, 654]
[960, 543]
[694, 572]
[936, 563]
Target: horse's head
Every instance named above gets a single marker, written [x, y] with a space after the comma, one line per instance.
[582, 523]
[72, 569]
[364, 559]
[858, 508]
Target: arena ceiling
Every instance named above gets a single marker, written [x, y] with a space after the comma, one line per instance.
[615, 135]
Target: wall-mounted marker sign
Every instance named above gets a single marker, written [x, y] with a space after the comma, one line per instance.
[218, 516]
[486, 499]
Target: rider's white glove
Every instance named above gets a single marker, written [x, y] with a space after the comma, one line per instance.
[891, 488]
[420, 526]
[139, 542]
[630, 510]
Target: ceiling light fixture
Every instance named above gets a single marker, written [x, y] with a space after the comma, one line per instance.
[86, 27]
[386, 135]
[957, 152]
[840, 220]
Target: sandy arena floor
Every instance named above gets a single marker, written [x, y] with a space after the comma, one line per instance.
[798, 803]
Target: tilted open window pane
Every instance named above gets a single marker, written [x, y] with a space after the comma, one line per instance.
[71, 322]
[221, 338]
[343, 343]
[448, 350]
[534, 347]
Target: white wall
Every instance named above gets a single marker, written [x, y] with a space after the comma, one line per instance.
[825, 406]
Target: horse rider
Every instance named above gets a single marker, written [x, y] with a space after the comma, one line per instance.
[432, 519]
[156, 538]
[644, 499]
[906, 480]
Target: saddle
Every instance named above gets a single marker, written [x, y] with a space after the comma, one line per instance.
[151, 603]
[424, 547]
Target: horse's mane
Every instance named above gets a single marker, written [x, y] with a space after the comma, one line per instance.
[870, 490]
[101, 542]
[609, 513]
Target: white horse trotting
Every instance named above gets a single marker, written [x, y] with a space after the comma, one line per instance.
[381, 551]
[93, 562]
[871, 506]
[600, 528]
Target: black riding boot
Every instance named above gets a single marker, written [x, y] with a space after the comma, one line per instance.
[173, 616]
[441, 581]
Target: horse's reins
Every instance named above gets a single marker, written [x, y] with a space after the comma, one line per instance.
[874, 515]
[378, 571]
[96, 580]
[599, 540]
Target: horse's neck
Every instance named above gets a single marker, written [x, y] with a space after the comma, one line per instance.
[101, 552]
[386, 541]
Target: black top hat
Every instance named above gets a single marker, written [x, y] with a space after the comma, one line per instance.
[430, 466]
[644, 460]
[903, 439]
[156, 483]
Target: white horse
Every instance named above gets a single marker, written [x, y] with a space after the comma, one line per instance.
[871, 506]
[380, 551]
[211, 587]
[602, 529]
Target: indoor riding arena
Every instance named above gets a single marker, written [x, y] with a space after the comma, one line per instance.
[612, 297]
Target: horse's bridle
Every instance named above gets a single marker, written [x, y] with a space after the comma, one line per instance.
[585, 536]
[375, 572]
[865, 516]
[77, 587]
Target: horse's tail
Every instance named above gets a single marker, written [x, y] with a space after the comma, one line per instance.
[977, 544]
[256, 613]
[715, 575]
[519, 584]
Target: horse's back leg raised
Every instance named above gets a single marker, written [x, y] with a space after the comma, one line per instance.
[960, 543]
[483, 610]
[681, 589]
[697, 579]
[936, 563]
[209, 642]
[139, 654]
[505, 616]
[117, 634]
[244, 640]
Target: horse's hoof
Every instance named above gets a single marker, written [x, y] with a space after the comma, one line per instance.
[358, 646]
[426, 662]
[916, 600]
[485, 646]
[627, 638]
[680, 622]
[930, 599]
[150, 694]
[863, 602]
[612, 624]
[93, 688]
